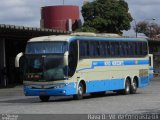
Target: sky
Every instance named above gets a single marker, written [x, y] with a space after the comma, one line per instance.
[27, 12]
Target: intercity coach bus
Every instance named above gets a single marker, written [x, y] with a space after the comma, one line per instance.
[81, 63]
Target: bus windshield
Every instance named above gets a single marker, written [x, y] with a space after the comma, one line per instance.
[46, 47]
[45, 68]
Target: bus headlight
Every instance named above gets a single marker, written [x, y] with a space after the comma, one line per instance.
[60, 85]
[64, 92]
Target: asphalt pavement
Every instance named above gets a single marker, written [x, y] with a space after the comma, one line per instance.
[147, 100]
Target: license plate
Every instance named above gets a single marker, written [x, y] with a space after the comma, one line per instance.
[43, 92]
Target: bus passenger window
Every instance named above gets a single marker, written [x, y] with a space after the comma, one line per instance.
[91, 49]
[112, 49]
[84, 49]
[132, 49]
[123, 49]
[120, 50]
[145, 51]
[126, 48]
[117, 52]
[97, 48]
[139, 48]
[107, 49]
[102, 49]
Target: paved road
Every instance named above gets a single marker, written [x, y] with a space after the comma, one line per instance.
[147, 100]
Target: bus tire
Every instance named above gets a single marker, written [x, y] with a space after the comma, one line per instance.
[127, 88]
[134, 86]
[44, 98]
[80, 92]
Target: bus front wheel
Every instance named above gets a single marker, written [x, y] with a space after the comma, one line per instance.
[80, 92]
[127, 88]
[44, 98]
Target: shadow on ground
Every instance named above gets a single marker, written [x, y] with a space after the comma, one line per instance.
[58, 98]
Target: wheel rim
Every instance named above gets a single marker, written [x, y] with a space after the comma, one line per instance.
[127, 88]
[80, 91]
[134, 85]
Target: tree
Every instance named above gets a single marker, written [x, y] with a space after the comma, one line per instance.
[149, 29]
[110, 16]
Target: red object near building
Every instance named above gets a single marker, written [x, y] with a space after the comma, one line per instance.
[60, 17]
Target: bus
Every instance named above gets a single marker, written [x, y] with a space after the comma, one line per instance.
[82, 63]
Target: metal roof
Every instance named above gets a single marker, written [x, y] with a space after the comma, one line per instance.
[12, 31]
[13, 27]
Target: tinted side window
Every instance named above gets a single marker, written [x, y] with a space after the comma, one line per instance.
[84, 48]
[102, 49]
[124, 49]
[107, 49]
[139, 48]
[117, 53]
[145, 48]
[91, 49]
[132, 48]
[129, 49]
[112, 48]
[97, 48]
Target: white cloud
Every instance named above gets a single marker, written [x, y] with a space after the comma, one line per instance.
[144, 9]
[27, 12]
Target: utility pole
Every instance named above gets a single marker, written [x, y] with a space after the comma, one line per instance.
[135, 26]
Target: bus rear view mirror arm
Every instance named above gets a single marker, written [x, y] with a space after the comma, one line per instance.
[19, 55]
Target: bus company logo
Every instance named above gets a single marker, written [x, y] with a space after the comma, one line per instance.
[136, 62]
[95, 63]
[107, 63]
[114, 63]
[117, 63]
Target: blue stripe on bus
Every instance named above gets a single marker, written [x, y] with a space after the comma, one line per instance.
[116, 63]
[104, 85]
[113, 84]
[91, 86]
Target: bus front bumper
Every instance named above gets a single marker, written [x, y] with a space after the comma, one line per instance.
[64, 91]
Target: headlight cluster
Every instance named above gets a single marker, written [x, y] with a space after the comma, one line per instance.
[60, 85]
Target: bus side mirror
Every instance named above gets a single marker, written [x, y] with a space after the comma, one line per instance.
[17, 59]
[66, 54]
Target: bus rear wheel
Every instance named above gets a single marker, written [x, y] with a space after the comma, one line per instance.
[80, 92]
[134, 86]
[127, 88]
[44, 98]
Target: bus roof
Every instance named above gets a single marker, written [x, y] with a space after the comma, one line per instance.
[72, 37]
